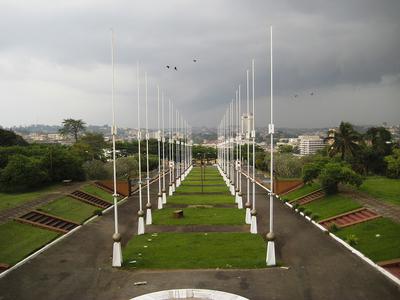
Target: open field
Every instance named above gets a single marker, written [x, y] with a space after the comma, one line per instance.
[70, 209]
[19, 240]
[382, 188]
[200, 216]
[206, 189]
[330, 206]
[378, 239]
[10, 200]
[195, 251]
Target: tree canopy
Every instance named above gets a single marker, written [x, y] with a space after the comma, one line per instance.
[74, 128]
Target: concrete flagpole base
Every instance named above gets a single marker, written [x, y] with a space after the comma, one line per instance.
[140, 223]
[170, 191]
[253, 225]
[240, 202]
[248, 215]
[178, 182]
[173, 188]
[164, 197]
[236, 196]
[149, 219]
[232, 190]
[270, 259]
[117, 255]
[159, 201]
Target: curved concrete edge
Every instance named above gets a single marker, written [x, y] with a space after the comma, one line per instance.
[188, 294]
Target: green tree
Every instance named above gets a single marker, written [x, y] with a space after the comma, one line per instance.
[71, 127]
[23, 172]
[96, 169]
[90, 146]
[10, 138]
[393, 164]
[334, 173]
[345, 141]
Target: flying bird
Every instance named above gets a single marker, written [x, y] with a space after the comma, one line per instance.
[194, 60]
[167, 67]
[175, 69]
[296, 95]
[312, 94]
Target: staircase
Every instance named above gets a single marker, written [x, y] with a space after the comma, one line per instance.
[318, 194]
[46, 221]
[350, 218]
[90, 199]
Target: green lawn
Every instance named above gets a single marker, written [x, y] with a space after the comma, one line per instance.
[383, 188]
[19, 240]
[195, 251]
[201, 199]
[98, 192]
[304, 190]
[70, 209]
[378, 239]
[205, 182]
[206, 189]
[330, 206]
[10, 200]
[200, 216]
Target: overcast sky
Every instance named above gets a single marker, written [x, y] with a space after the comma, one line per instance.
[55, 59]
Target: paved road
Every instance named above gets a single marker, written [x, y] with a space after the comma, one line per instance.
[319, 268]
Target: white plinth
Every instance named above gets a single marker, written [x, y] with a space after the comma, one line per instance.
[149, 219]
[141, 226]
[248, 216]
[117, 255]
[270, 260]
[164, 198]
[160, 202]
[240, 202]
[253, 225]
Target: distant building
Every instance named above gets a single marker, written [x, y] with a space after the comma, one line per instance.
[309, 144]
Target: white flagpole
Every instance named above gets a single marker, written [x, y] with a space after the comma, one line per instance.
[164, 192]
[270, 259]
[117, 253]
[159, 195]
[139, 137]
[253, 135]
[149, 219]
[247, 130]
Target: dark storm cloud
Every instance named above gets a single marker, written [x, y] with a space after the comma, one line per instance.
[57, 54]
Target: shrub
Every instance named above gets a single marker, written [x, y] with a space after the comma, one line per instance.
[352, 239]
[295, 206]
[333, 228]
[98, 212]
[314, 217]
[334, 173]
[307, 212]
[23, 172]
[301, 208]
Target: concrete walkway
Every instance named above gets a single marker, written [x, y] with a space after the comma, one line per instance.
[381, 207]
[11, 213]
[318, 268]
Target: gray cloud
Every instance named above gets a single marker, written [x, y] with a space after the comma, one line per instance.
[55, 56]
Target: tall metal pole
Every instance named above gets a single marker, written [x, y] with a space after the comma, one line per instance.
[149, 218]
[164, 191]
[117, 253]
[270, 259]
[139, 137]
[159, 195]
[247, 129]
[253, 135]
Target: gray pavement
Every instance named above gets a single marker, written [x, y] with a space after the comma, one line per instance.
[319, 268]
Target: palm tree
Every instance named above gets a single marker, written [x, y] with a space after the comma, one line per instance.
[345, 141]
[72, 127]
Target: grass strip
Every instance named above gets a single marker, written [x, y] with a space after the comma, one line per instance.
[195, 251]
